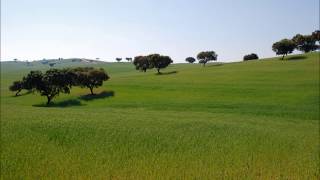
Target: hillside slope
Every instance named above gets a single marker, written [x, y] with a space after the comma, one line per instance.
[256, 119]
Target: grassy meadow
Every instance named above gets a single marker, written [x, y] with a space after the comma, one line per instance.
[247, 120]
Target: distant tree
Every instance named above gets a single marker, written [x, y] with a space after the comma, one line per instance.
[251, 56]
[190, 59]
[90, 77]
[129, 59]
[51, 64]
[118, 59]
[158, 61]
[97, 59]
[151, 61]
[141, 63]
[205, 56]
[15, 60]
[283, 47]
[16, 86]
[305, 43]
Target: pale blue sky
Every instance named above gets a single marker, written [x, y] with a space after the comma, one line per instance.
[37, 29]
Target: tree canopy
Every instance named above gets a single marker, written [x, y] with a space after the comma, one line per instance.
[49, 84]
[159, 61]
[316, 36]
[17, 86]
[205, 56]
[90, 77]
[141, 63]
[251, 56]
[283, 47]
[305, 43]
[152, 61]
[190, 59]
[56, 81]
[129, 59]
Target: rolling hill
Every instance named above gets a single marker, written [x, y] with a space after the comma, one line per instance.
[252, 120]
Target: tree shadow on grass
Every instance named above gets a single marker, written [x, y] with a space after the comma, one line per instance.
[62, 104]
[102, 95]
[167, 73]
[293, 58]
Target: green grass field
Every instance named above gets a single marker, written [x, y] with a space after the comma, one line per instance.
[248, 120]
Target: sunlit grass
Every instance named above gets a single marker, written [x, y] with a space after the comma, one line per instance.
[251, 120]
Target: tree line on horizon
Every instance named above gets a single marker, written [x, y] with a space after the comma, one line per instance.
[56, 81]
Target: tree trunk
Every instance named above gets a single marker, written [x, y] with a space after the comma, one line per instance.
[158, 69]
[17, 93]
[91, 90]
[282, 57]
[48, 99]
[204, 64]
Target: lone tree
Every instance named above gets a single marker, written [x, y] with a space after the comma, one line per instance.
[17, 86]
[251, 56]
[90, 77]
[305, 43]
[50, 84]
[190, 59]
[158, 61]
[283, 47]
[129, 59]
[205, 56]
[118, 59]
[141, 63]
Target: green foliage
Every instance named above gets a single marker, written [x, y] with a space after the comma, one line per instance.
[50, 84]
[158, 61]
[152, 61]
[190, 59]
[118, 59]
[17, 86]
[90, 77]
[251, 56]
[305, 43]
[141, 63]
[56, 81]
[316, 36]
[284, 47]
[205, 56]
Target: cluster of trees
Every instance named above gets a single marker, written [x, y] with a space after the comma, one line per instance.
[151, 61]
[204, 57]
[56, 81]
[304, 43]
[251, 56]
